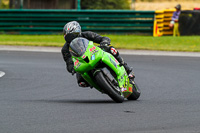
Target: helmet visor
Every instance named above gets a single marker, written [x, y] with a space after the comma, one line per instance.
[78, 46]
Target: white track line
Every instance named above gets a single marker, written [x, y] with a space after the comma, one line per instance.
[2, 74]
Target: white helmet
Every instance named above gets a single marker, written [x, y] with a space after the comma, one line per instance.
[72, 27]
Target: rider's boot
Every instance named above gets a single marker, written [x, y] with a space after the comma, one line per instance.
[131, 76]
[81, 81]
[83, 84]
[127, 68]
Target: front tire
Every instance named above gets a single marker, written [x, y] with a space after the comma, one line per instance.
[110, 89]
[136, 92]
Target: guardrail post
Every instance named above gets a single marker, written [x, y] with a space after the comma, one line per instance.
[78, 4]
[21, 4]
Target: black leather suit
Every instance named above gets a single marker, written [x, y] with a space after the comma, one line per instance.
[88, 35]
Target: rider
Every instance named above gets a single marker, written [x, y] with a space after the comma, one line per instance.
[72, 30]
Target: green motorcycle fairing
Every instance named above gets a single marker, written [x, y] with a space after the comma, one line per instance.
[91, 58]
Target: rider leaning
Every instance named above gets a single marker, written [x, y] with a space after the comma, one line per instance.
[72, 30]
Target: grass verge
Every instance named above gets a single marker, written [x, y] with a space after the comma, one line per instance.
[165, 43]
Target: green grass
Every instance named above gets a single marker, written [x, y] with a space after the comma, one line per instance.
[32, 40]
[165, 43]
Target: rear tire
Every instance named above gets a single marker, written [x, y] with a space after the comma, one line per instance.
[136, 93]
[109, 88]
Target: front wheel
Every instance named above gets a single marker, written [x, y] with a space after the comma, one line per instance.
[110, 89]
[136, 92]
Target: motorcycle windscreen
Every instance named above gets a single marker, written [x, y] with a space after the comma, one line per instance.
[78, 46]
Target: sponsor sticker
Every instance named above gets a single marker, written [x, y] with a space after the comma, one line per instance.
[123, 89]
[76, 62]
[83, 56]
[78, 65]
[130, 89]
[93, 57]
[94, 51]
[93, 48]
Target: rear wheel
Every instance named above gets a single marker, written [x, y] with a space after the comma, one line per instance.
[112, 90]
[136, 92]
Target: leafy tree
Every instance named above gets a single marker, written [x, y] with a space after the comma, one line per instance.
[4, 4]
[105, 4]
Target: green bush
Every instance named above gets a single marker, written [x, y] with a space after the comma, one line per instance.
[105, 4]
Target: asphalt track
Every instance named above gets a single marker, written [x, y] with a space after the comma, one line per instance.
[37, 95]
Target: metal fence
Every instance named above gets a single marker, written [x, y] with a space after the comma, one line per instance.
[27, 21]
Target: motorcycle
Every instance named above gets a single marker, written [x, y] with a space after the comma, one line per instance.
[102, 71]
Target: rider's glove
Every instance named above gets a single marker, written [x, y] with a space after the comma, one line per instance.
[70, 65]
[70, 68]
[104, 43]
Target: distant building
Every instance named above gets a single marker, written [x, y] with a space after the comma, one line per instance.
[43, 4]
